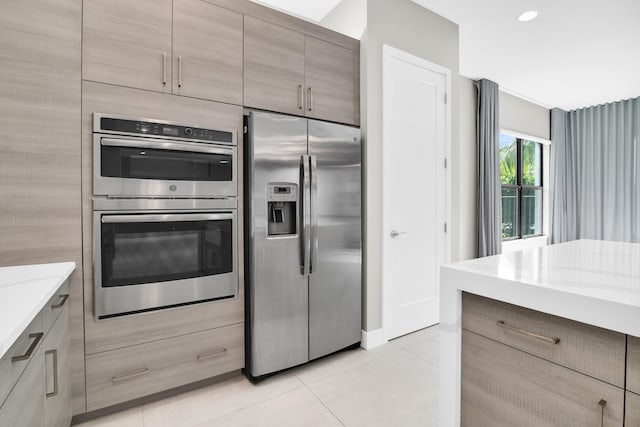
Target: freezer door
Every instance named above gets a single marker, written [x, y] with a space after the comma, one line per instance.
[335, 285]
[277, 288]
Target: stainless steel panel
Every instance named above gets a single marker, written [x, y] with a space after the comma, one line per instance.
[278, 291]
[159, 205]
[335, 285]
[126, 299]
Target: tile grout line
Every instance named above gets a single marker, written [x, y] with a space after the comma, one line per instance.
[323, 404]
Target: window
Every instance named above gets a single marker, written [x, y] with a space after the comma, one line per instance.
[521, 178]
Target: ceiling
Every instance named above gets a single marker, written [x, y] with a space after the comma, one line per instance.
[577, 53]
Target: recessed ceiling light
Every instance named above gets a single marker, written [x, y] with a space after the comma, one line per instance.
[527, 16]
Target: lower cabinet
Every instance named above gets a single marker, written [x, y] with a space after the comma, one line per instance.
[42, 394]
[132, 372]
[632, 410]
[503, 386]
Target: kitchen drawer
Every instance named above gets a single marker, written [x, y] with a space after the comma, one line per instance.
[597, 352]
[503, 386]
[27, 343]
[633, 364]
[632, 410]
[54, 307]
[121, 375]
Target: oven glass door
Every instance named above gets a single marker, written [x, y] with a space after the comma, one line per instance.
[142, 249]
[148, 159]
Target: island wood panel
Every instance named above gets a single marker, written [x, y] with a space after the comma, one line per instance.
[273, 67]
[125, 374]
[207, 51]
[632, 410]
[503, 386]
[633, 364]
[40, 221]
[273, 16]
[123, 42]
[588, 349]
[131, 330]
[57, 406]
[329, 77]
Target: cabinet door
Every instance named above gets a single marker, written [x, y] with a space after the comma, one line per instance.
[632, 410]
[25, 404]
[57, 404]
[502, 386]
[273, 67]
[207, 51]
[128, 43]
[329, 81]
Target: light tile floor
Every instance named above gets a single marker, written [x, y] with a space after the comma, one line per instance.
[395, 384]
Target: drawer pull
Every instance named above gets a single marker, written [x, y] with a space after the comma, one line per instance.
[550, 340]
[38, 336]
[54, 354]
[119, 378]
[208, 356]
[602, 404]
[63, 300]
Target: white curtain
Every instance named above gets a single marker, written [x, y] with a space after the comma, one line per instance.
[595, 173]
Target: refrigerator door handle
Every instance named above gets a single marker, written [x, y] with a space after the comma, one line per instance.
[314, 215]
[305, 235]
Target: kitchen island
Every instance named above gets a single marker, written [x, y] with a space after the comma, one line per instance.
[591, 282]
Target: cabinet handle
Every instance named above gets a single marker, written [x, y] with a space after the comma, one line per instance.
[300, 97]
[208, 356]
[179, 71]
[38, 336]
[119, 378]
[602, 404]
[550, 340]
[164, 68]
[310, 98]
[54, 353]
[63, 300]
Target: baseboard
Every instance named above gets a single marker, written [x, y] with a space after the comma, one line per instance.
[373, 339]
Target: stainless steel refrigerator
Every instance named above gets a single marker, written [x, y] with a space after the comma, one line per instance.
[303, 248]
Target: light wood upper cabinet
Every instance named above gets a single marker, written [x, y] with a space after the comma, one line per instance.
[128, 43]
[273, 67]
[329, 81]
[187, 47]
[633, 364]
[207, 51]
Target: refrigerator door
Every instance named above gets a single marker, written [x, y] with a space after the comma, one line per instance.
[335, 285]
[277, 311]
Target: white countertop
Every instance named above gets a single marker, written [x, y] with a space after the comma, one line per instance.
[589, 281]
[24, 290]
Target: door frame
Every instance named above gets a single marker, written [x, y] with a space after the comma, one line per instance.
[389, 52]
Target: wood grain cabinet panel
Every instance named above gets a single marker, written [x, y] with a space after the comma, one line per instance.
[57, 385]
[633, 364]
[25, 404]
[594, 351]
[128, 43]
[129, 373]
[632, 410]
[273, 67]
[503, 386]
[329, 81]
[207, 51]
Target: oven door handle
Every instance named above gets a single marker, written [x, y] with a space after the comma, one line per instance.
[115, 219]
[196, 147]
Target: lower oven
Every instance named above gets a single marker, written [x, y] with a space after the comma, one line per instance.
[167, 256]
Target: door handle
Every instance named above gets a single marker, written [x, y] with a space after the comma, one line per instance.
[310, 98]
[305, 238]
[164, 68]
[63, 300]
[54, 355]
[179, 71]
[300, 97]
[314, 215]
[395, 233]
[36, 340]
[602, 404]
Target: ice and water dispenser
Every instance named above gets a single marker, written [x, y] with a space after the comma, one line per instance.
[281, 209]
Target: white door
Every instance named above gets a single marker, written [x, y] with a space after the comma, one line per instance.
[415, 145]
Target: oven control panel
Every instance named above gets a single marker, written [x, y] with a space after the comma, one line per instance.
[139, 127]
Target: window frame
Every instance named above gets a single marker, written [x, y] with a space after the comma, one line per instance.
[519, 187]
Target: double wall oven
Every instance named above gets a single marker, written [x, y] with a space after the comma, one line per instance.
[164, 215]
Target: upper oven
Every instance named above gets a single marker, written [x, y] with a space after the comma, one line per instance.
[152, 158]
